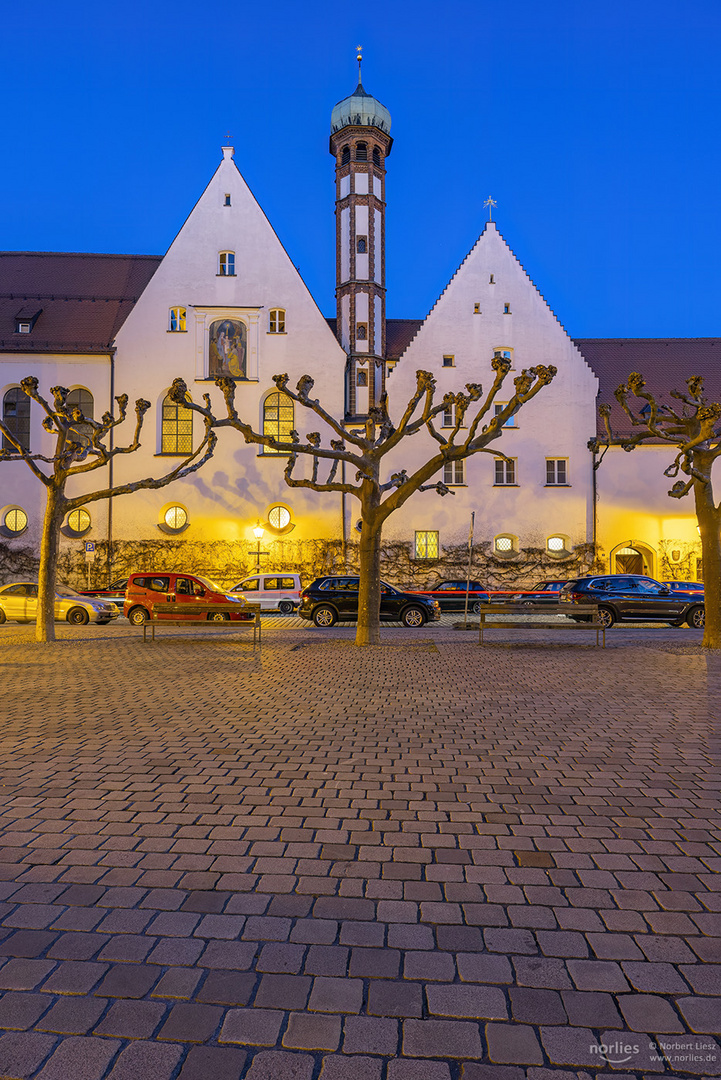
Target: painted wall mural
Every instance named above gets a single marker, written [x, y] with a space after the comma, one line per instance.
[228, 349]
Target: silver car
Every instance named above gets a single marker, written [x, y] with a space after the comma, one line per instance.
[19, 601]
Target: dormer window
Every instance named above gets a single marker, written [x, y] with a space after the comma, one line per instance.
[26, 318]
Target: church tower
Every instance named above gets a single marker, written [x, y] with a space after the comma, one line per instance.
[360, 141]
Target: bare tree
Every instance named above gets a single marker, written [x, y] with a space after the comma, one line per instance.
[694, 428]
[79, 449]
[371, 442]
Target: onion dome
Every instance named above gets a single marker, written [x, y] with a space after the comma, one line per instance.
[361, 109]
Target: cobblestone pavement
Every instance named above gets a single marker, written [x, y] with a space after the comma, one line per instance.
[421, 861]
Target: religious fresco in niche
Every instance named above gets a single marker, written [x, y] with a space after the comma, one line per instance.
[228, 349]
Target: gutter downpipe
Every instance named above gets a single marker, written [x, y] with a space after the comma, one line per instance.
[344, 533]
[113, 350]
[595, 504]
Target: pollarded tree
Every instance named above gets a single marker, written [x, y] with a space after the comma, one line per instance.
[79, 449]
[694, 428]
[372, 442]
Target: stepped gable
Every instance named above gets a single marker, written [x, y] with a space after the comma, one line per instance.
[83, 299]
[665, 364]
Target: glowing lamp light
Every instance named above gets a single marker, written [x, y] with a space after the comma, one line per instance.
[258, 531]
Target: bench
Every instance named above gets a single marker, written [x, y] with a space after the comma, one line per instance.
[164, 615]
[540, 622]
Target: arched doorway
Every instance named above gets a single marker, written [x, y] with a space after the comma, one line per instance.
[633, 558]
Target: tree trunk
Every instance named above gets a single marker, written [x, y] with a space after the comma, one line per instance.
[709, 522]
[49, 548]
[369, 593]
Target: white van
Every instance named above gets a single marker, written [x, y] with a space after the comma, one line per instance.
[280, 590]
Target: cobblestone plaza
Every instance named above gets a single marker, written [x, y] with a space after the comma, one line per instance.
[420, 861]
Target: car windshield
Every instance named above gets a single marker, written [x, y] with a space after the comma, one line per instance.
[65, 590]
[212, 585]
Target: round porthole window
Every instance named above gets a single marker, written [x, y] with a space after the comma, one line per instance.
[15, 521]
[79, 521]
[279, 517]
[176, 518]
[558, 546]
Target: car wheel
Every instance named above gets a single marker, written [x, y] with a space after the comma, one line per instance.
[477, 607]
[3, 616]
[413, 617]
[606, 617]
[696, 618]
[325, 616]
[137, 616]
[285, 607]
[218, 616]
[78, 616]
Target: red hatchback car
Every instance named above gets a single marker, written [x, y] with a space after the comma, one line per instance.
[147, 589]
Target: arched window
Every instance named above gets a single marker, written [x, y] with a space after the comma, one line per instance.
[362, 245]
[226, 264]
[345, 155]
[16, 416]
[376, 156]
[277, 321]
[84, 401]
[278, 420]
[361, 151]
[558, 546]
[177, 428]
[505, 545]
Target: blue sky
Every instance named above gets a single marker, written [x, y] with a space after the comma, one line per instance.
[595, 126]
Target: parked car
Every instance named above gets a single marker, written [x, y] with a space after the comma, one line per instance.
[332, 599]
[280, 590]
[451, 595]
[114, 592]
[546, 592]
[146, 589]
[685, 586]
[631, 598]
[19, 601]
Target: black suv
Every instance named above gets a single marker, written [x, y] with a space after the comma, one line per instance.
[330, 599]
[630, 598]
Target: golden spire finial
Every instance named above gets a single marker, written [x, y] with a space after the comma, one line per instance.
[359, 58]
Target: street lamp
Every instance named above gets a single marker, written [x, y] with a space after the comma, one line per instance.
[258, 533]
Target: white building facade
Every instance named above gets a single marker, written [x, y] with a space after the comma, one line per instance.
[226, 299]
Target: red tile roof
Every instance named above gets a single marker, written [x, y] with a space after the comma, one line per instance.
[85, 299]
[665, 364]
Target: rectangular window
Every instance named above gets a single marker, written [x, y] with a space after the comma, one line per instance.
[448, 361]
[277, 321]
[505, 472]
[506, 309]
[448, 417]
[177, 320]
[23, 328]
[476, 309]
[426, 545]
[453, 472]
[556, 472]
[227, 200]
[499, 407]
[361, 378]
[226, 265]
